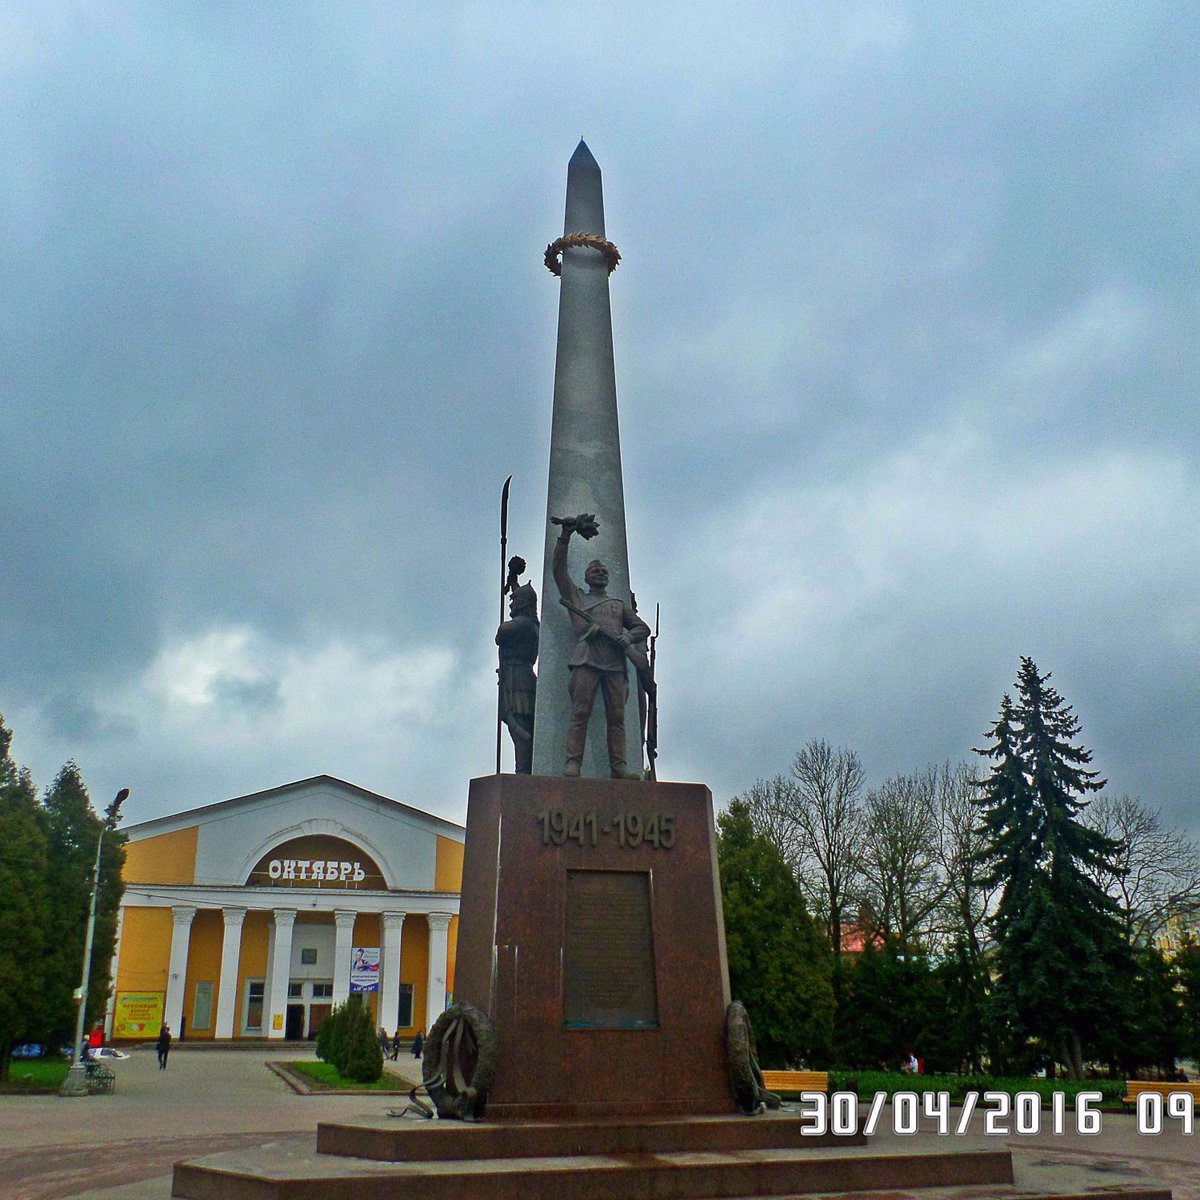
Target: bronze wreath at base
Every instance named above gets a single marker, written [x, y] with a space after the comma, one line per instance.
[744, 1072]
[459, 1063]
[592, 240]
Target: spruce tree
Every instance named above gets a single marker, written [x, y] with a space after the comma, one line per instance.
[24, 904]
[74, 830]
[779, 964]
[1060, 958]
[1186, 969]
[362, 1058]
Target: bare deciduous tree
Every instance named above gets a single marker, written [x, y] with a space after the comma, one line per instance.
[968, 900]
[827, 814]
[1156, 874]
[900, 862]
[772, 805]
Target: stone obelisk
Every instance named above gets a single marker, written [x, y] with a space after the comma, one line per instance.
[585, 475]
[590, 929]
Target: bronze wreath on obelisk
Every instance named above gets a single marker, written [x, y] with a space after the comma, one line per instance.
[593, 240]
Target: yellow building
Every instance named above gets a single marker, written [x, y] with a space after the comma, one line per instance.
[253, 917]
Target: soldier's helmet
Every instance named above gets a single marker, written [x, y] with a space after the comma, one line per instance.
[524, 600]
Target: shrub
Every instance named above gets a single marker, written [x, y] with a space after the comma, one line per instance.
[363, 1057]
[331, 1036]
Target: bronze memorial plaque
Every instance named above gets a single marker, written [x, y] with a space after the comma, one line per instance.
[608, 956]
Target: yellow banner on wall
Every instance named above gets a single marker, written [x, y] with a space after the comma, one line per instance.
[137, 1014]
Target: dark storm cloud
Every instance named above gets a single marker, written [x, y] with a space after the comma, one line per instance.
[905, 354]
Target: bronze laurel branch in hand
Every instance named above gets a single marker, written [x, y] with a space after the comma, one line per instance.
[585, 525]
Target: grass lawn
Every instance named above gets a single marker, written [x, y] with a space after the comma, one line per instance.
[31, 1076]
[323, 1076]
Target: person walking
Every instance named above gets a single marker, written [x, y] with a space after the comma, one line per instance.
[396, 1045]
[163, 1046]
[418, 1043]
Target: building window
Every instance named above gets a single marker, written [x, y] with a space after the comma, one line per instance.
[255, 989]
[405, 1018]
[202, 1005]
[308, 956]
[322, 991]
[295, 990]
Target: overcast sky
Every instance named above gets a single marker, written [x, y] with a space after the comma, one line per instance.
[906, 346]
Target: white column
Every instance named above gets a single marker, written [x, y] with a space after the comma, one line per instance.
[181, 936]
[343, 943]
[113, 968]
[435, 994]
[281, 971]
[231, 951]
[389, 983]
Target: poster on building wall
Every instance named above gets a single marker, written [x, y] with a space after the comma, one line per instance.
[364, 969]
[137, 1014]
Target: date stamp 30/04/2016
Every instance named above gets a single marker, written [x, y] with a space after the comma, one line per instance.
[1002, 1114]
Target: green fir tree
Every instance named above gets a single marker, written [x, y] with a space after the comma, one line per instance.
[890, 1008]
[1186, 969]
[1154, 1038]
[1062, 968]
[24, 905]
[778, 961]
[362, 1054]
[74, 832]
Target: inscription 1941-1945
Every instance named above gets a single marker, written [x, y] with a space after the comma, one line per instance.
[627, 829]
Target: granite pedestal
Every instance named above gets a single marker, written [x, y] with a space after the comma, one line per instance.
[591, 934]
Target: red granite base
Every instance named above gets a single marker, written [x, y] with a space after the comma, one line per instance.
[389, 1140]
[590, 1021]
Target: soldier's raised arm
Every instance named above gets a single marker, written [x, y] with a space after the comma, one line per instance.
[585, 525]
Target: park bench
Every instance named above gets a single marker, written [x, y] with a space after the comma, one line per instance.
[795, 1081]
[1135, 1087]
[100, 1079]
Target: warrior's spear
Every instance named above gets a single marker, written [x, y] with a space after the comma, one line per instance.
[652, 704]
[503, 589]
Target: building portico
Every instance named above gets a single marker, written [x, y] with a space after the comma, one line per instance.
[254, 917]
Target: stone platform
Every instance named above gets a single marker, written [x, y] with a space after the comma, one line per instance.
[696, 1158]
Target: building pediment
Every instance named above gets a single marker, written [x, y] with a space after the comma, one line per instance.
[225, 844]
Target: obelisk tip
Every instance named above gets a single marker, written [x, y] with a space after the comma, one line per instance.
[582, 159]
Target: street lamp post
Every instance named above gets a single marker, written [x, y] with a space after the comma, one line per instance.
[75, 1083]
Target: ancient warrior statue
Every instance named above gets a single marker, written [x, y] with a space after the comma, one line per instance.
[518, 641]
[607, 631]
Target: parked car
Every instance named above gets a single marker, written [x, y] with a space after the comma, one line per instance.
[109, 1052]
[29, 1050]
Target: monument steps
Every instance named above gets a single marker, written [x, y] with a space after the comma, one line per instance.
[389, 1140]
[377, 1158]
[278, 1172]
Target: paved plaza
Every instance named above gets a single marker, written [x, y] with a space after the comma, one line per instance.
[122, 1147]
[205, 1101]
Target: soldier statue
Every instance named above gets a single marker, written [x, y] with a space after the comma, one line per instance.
[518, 642]
[605, 630]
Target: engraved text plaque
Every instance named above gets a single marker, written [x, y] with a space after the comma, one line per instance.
[608, 955]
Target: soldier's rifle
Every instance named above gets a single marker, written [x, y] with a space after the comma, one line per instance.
[639, 658]
[503, 589]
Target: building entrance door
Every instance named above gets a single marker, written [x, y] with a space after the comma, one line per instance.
[293, 1028]
[316, 1014]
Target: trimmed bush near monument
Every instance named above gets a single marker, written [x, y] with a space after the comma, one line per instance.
[347, 1041]
[364, 1059]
